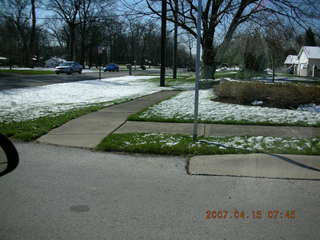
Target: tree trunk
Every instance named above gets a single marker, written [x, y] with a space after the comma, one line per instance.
[72, 42]
[208, 71]
[208, 59]
[273, 69]
[33, 33]
[83, 46]
[175, 46]
[83, 52]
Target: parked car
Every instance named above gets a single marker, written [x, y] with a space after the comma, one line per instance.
[111, 68]
[69, 67]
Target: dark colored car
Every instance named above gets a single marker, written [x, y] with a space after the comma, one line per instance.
[69, 67]
[111, 68]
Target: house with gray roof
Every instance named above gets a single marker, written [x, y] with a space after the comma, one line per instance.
[309, 62]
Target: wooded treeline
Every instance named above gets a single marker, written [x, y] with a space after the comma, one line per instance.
[77, 30]
[259, 32]
[223, 20]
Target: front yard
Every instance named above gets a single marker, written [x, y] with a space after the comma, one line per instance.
[181, 109]
[28, 113]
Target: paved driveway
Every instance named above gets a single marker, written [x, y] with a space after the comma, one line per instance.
[65, 193]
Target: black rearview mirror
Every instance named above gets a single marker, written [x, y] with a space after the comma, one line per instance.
[9, 158]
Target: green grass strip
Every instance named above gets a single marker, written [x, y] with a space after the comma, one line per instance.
[32, 129]
[27, 72]
[175, 144]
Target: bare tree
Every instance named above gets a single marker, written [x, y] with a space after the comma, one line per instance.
[16, 14]
[221, 19]
[91, 11]
[68, 10]
[33, 30]
[189, 41]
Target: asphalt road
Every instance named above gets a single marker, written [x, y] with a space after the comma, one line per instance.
[65, 193]
[10, 81]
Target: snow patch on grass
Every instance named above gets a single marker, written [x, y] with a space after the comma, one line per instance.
[182, 107]
[30, 103]
[261, 143]
[310, 107]
[183, 144]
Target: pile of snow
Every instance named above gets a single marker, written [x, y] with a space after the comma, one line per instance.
[310, 107]
[257, 103]
[222, 69]
[87, 70]
[262, 143]
[30, 103]
[182, 107]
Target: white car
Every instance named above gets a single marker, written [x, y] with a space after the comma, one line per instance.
[69, 67]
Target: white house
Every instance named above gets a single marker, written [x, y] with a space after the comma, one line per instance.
[291, 61]
[309, 62]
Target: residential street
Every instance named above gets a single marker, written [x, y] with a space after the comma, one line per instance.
[66, 193]
[10, 81]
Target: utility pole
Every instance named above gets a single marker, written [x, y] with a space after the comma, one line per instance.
[175, 45]
[163, 42]
[196, 95]
[100, 51]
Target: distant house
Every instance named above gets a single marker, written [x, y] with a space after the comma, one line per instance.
[308, 62]
[53, 62]
[291, 62]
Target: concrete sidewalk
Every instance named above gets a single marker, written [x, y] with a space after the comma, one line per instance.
[88, 130]
[219, 129]
[257, 165]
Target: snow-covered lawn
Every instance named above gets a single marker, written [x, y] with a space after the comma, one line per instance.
[268, 144]
[30, 103]
[310, 107]
[181, 107]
